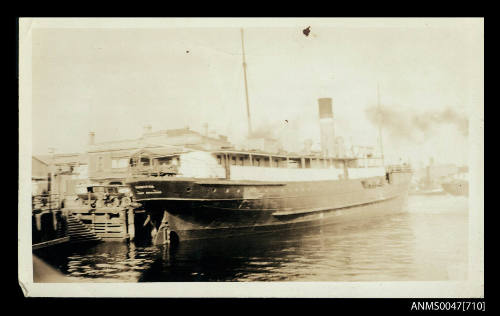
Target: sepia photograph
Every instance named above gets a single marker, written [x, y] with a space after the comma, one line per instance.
[251, 157]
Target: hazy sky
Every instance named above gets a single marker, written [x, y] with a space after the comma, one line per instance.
[115, 80]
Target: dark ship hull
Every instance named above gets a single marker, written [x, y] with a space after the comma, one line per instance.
[198, 209]
[457, 187]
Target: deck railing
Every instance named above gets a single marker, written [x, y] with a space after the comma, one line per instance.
[399, 168]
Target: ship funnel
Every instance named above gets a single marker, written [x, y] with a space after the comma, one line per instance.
[327, 127]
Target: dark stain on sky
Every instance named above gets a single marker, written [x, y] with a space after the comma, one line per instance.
[306, 31]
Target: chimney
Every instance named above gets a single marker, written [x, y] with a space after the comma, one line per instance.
[327, 127]
[91, 138]
[147, 129]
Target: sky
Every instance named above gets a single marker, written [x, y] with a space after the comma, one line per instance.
[115, 80]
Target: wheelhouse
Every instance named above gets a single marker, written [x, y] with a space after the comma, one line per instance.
[150, 162]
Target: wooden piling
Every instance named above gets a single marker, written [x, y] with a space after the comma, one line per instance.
[131, 223]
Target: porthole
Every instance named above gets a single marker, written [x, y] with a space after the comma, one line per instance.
[227, 190]
[238, 191]
[214, 190]
[188, 189]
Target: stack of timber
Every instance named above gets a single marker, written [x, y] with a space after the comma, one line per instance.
[79, 232]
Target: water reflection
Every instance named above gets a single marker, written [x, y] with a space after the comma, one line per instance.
[317, 254]
[428, 242]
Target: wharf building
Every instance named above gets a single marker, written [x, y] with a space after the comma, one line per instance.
[39, 176]
[59, 173]
[109, 161]
[68, 174]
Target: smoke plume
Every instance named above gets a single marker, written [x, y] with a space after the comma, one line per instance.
[408, 125]
[290, 131]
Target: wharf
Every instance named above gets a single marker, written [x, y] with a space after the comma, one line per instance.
[106, 223]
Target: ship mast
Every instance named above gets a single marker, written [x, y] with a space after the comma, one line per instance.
[380, 124]
[246, 85]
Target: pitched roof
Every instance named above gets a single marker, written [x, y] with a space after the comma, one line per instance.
[40, 159]
[160, 151]
[70, 158]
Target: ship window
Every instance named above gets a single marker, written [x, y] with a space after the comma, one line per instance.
[307, 163]
[241, 161]
[219, 159]
[352, 164]
[214, 190]
[227, 190]
[164, 160]
[266, 162]
[145, 162]
[233, 161]
[188, 189]
[238, 191]
[257, 162]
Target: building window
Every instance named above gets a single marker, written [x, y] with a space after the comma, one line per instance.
[133, 162]
[119, 163]
[99, 164]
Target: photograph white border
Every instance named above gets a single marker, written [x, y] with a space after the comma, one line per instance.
[472, 287]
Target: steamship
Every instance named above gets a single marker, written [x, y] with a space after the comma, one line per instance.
[221, 193]
[458, 184]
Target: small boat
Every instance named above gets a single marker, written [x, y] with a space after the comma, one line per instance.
[458, 184]
[457, 187]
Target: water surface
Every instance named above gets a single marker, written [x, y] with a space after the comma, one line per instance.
[426, 242]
